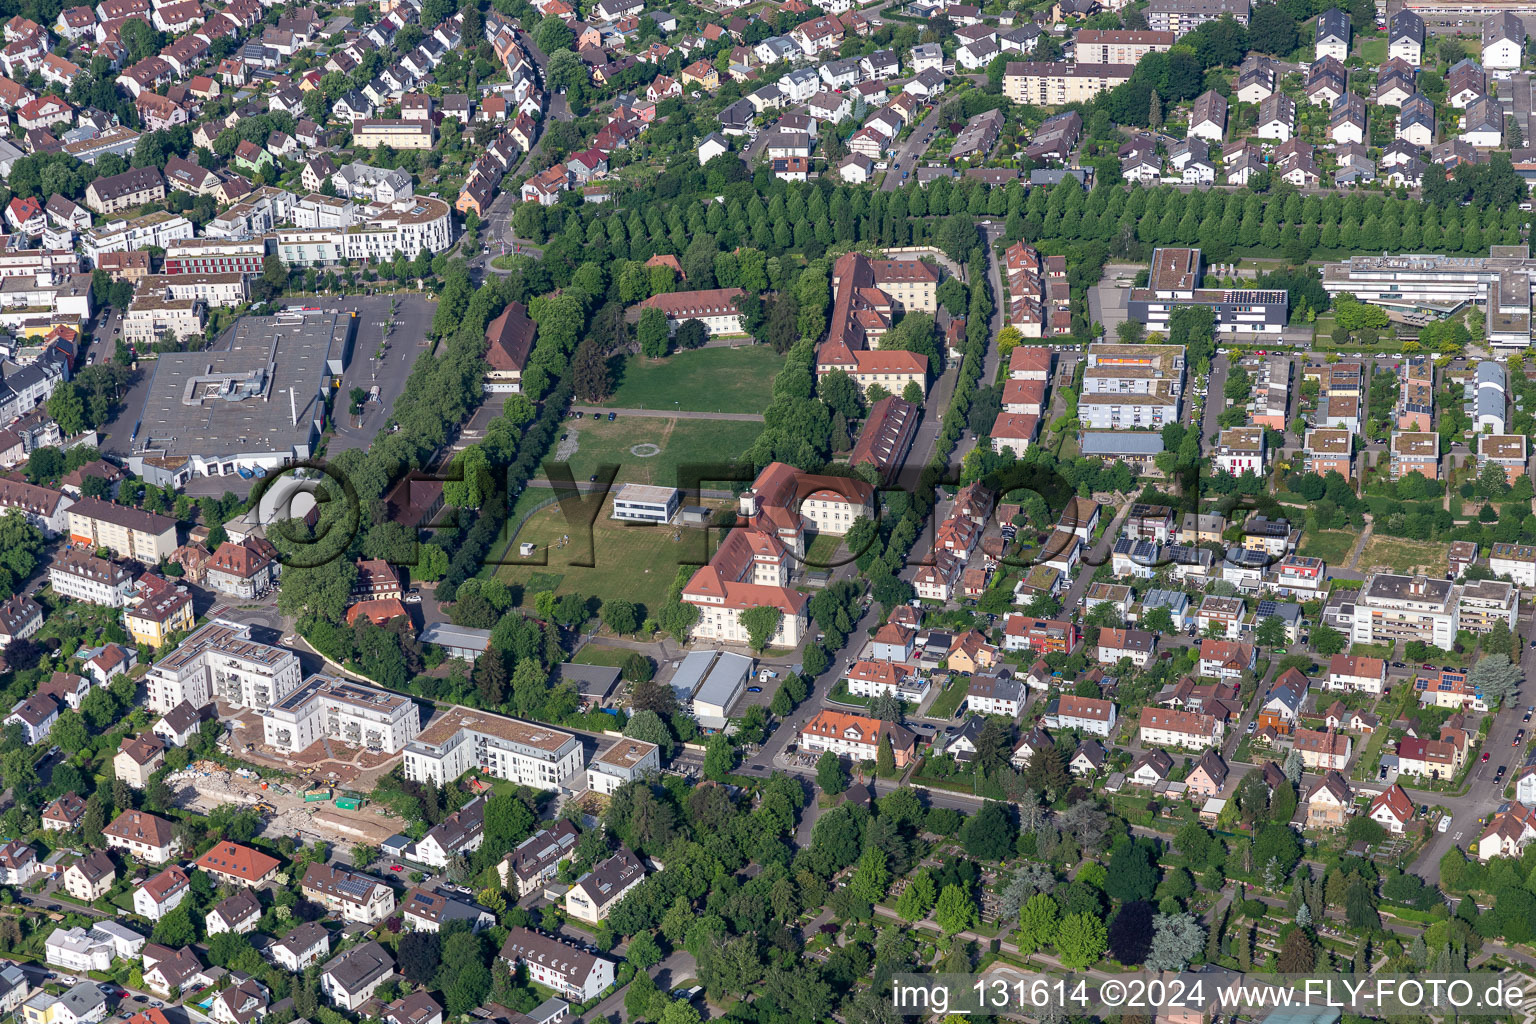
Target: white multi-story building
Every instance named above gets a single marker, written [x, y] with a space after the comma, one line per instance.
[570, 970]
[76, 949]
[221, 661]
[327, 707]
[80, 575]
[625, 761]
[1088, 714]
[374, 231]
[1240, 450]
[1390, 608]
[1163, 727]
[1131, 386]
[460, 739]
[1514, 562]
[307, 944]
[350, 895]
[873, 678]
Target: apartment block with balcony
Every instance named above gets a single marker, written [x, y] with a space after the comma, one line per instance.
[459, 739]
[1392, 608]
[330, 708]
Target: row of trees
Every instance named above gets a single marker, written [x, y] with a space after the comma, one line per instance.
[1222, 223]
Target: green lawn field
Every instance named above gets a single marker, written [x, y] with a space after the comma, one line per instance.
[1332, 546]
[631, 442]
[630, 562]
[704, 380]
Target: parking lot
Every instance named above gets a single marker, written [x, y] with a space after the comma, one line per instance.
[402, 338]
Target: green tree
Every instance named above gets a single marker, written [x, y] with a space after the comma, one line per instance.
[916, 900]
[652, 333]
[1037, 923]
[1081, 940]
[831, 777]
[1497, 677]
[1328, 641]
[621, 616]
[955, 911]
[761, 623]
[872, 876]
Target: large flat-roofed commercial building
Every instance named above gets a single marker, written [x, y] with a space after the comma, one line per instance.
[257, 400]
[460, 739]
[1175, 281]
[220, 661]
[327, 707]
[1429, 286]
[721, 688]
[1390, 608]
[646, 503]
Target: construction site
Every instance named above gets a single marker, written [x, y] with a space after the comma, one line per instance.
[327, 760]
[320, 812]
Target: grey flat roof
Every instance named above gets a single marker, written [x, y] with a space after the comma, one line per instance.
[234, 399]
[1121, 442]
[446, 634]
[691, 672]
[720, 686]
[590, 680]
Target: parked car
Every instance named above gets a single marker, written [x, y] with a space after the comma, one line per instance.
[754, 689]
[1485, 757]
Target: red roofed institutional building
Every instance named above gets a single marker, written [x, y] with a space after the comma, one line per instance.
[750, 567]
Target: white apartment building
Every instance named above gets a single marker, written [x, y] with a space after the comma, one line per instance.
[159, 229]
[221, 661]
[873, 678]
[328, 707]
[523, 752]
[834, 510]
[1163, 727]
[150, 317]
[1131, 386]
[571, 971]
[1089, 714]
[625, 761]
[80, 575]
[376, 231]
[598, 891]
[1240, 450]
[1390, 608]
[1514, 562]
[76, 949]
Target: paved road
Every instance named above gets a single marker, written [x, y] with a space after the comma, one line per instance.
[908, 153]
[671, 414]
[1095, 557]
[1215, 401]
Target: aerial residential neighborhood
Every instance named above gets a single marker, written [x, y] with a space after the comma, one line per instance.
[525, 512]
